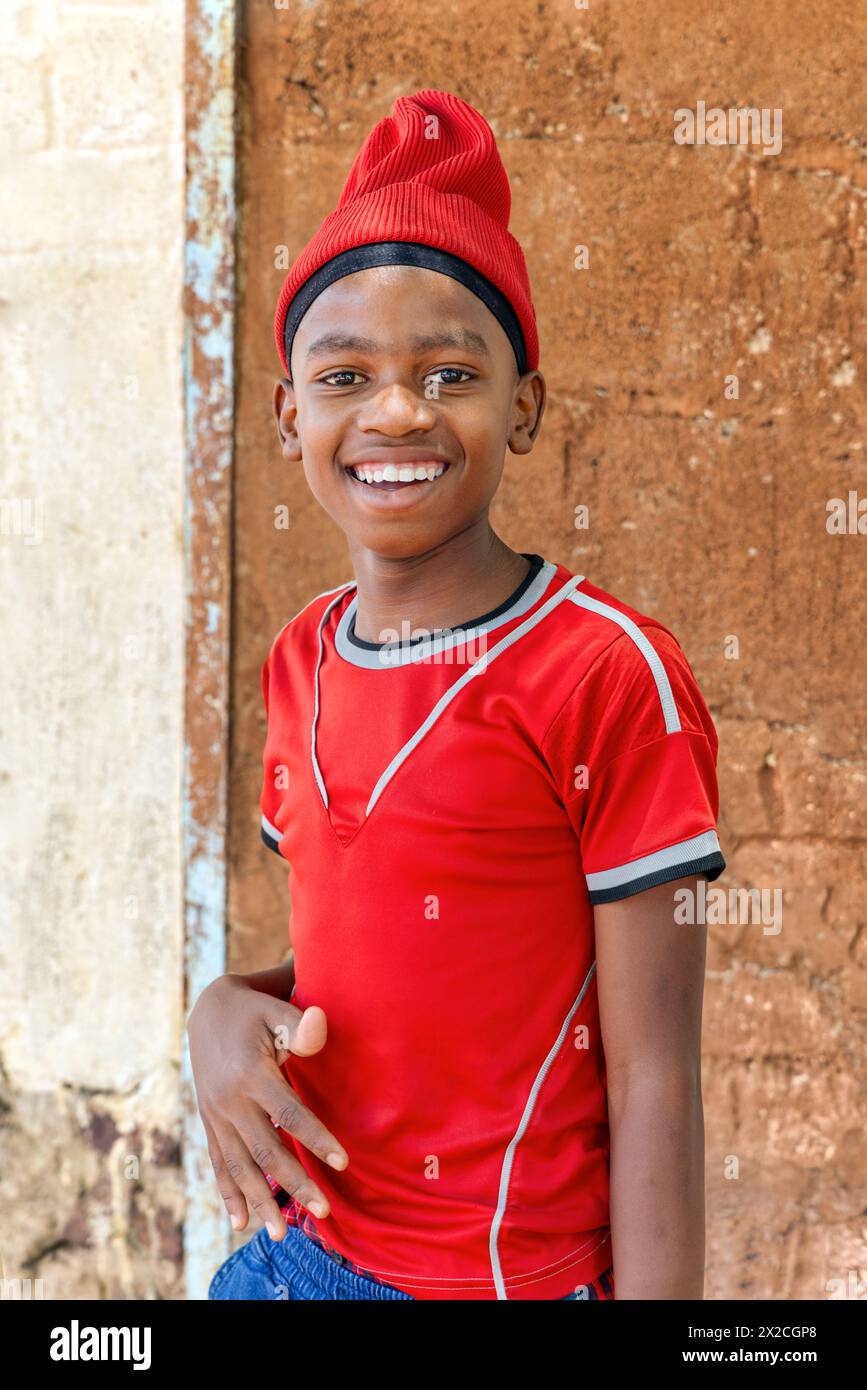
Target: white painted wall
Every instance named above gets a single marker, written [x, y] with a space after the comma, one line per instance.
[91, 661]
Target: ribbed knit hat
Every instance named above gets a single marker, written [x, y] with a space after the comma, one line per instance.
[428, 188]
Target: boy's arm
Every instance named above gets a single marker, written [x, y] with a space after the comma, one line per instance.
[650, 979]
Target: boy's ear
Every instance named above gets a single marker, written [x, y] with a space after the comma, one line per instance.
[528, 407]
[285, 416]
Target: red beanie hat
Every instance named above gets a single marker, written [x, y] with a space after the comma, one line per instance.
[428, 187]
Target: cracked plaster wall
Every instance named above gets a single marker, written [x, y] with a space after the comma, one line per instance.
[708, 513]
[91, 964]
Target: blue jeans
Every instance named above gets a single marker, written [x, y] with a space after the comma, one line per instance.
[294, 1268]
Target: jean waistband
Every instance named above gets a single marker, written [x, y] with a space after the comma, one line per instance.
[324, 1273]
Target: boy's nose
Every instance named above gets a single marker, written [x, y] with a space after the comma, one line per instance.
[397, 406]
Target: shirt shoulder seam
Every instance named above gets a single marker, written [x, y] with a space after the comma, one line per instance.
[618, 637]
[639, 748]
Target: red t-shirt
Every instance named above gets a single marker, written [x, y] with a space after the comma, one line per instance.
[452, 806]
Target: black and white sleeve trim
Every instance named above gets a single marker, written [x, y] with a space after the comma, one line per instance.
[271, 835]
[699, 855]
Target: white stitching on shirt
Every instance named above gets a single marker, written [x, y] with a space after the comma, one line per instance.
[517, 1280]
[519, 1134]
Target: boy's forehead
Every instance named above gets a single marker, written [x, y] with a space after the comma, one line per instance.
[415, 279]
[391, 307]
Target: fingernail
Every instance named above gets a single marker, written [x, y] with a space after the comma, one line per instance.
[317, 1208]
[336, 1160]
[236, 1220]
[274, 1231]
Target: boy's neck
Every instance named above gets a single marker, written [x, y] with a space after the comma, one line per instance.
[452, 584]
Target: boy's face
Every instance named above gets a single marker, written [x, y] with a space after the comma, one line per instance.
[400, 365]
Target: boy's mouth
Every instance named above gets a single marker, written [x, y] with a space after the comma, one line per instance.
[379, 480]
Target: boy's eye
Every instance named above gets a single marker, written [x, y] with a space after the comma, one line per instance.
[344, 371]
[459, 371]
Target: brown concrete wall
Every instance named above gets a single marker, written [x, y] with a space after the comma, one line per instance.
[707, 512]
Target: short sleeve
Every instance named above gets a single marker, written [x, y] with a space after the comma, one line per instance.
[633, 752]
[271, 794]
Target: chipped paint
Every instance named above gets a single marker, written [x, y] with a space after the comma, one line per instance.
[209, 311]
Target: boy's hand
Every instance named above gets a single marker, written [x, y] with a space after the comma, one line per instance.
[238, 1038]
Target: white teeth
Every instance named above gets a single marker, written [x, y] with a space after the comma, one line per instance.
[406, 473]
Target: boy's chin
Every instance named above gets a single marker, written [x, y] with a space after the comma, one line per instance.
[394, 536]
[400, 541]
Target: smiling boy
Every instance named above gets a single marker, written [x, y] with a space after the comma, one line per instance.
[489, 777]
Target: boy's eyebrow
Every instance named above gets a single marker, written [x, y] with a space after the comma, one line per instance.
[465, 338]
[341, 342]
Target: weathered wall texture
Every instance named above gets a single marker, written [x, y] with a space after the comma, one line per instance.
[91, 237]
[707, 512]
